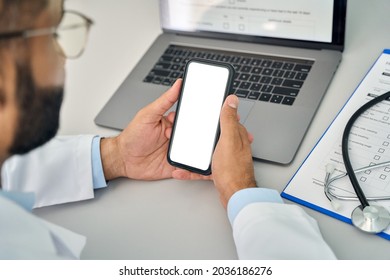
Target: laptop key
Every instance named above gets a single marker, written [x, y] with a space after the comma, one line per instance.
[148, 79]
[242, 93]
[292, 83]
[288, 66]
[158, 72]
[302, 68]
[257, 70]
[245, 85]
[277, 64]
[265, 79]
[166, 58]
[254, 78]
[243, 77]
[285, 91]
[246, 60]
[279, 73]
[267, 71]
[254, 95]
[256, 62]
[175, 75]
[266, 63]
[157, 80]
[289, 74]
[276, 98]
[301, 76]
[167, 82]
[267, 88]
[265, 97]
[287, 100]
[246, 68]
[162, 65]
[237, 67]
[225, 58]
[276, 81]
[255, 87]
[235, 84]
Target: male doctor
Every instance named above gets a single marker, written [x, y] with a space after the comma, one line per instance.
[65, 169]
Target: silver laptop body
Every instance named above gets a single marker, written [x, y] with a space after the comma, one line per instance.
[230, 27]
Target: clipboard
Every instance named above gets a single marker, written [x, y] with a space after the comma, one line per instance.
[370, 143]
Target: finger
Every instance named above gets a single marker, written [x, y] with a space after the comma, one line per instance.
[238, 115]
[244, 135]
[168, 132]
[171, 116]
[161, 105]
[250, 137]
[228, 117]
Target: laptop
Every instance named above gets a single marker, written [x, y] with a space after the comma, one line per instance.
[285, 54]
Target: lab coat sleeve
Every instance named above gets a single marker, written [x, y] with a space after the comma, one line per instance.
[26, 236]
[58, 172]
[273, 230]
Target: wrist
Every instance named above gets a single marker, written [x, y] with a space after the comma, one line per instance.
[233, 187]
[112, 163]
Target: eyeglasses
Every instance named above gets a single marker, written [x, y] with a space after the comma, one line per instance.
[71, 34]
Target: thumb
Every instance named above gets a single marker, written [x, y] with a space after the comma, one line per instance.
[161, 105]
[229, 111]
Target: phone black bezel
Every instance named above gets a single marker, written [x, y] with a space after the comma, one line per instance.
[228, 91]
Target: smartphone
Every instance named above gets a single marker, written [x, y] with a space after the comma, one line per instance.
[195, 131]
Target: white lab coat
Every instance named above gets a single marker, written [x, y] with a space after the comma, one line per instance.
[58, 172]
[266, 230]
[61, 172]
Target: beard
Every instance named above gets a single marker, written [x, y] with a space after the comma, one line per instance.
[39, 112]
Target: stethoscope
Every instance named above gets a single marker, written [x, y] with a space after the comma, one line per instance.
[366, 217]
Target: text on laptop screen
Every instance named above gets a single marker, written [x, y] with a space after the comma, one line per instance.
[307, 20]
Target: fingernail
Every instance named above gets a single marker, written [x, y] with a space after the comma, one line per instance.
[233, 102]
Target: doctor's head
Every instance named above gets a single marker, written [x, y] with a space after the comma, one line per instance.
[32, 59]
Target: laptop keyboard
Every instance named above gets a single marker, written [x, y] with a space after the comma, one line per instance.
[263, 78]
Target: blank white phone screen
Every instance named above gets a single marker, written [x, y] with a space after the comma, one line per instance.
[198, 116]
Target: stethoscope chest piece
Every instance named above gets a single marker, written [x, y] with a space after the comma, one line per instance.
[372, 218]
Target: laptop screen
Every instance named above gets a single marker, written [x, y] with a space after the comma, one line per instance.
[303, 20]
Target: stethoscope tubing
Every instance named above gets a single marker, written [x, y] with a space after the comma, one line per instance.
[344, 147]
[366, 217]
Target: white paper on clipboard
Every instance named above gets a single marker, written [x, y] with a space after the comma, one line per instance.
[369, 143]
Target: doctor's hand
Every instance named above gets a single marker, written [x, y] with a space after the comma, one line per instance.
[232, 165]
[140, 150]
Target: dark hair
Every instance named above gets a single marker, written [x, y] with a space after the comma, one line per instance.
[19, 14]
[39, 112]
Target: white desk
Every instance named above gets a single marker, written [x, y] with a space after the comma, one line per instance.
[184, 220]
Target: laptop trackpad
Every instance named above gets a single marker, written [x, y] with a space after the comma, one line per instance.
[244, 107]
